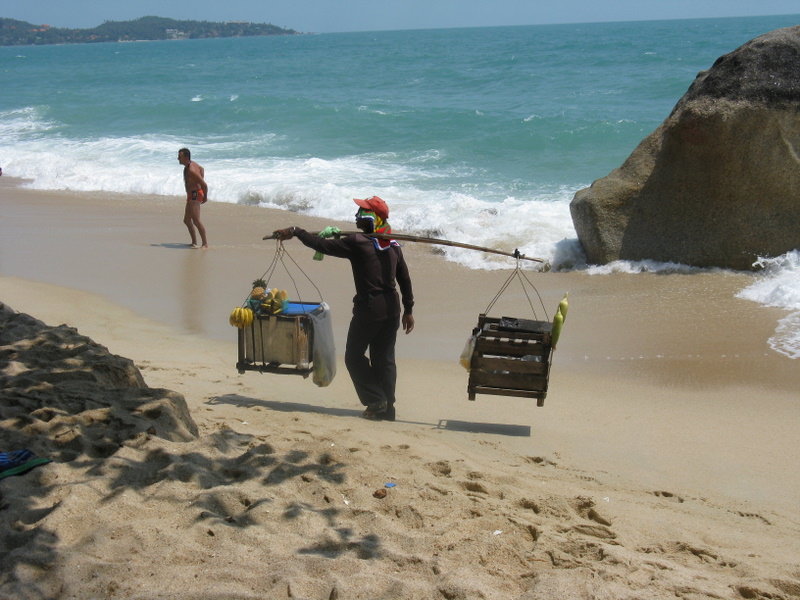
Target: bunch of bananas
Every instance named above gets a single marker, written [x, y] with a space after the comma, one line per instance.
[241, 317]
[274, 301]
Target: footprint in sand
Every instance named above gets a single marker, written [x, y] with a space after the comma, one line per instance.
[691, 550]
[598, 531]
[474, 486]
[540, 460]
[669, 496]
[748, 515]
[530, 505]
[585, 507]
[440, 468]
[410, 517]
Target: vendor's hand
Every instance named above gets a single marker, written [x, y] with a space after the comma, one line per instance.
[283, 234]
[408, 323]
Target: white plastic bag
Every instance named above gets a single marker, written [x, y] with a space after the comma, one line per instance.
[324, 369]
[466, 353]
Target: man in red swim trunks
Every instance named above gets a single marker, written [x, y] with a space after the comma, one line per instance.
[196, 194]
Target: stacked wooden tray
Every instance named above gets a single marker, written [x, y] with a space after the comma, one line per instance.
[511, 358]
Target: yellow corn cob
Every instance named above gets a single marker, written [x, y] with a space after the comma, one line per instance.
[558, 323]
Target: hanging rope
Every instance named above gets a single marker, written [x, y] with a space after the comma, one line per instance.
[523, 279]
[280, 253]
[294, 283]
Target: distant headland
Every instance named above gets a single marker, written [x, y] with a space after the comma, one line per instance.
[21, 33]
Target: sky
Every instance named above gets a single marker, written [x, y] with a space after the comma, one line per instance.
[324, 16]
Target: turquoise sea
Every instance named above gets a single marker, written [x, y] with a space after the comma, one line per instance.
[480, 135]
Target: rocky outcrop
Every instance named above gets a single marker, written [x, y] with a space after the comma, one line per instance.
[718, 183]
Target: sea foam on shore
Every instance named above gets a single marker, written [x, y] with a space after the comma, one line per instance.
[779, 285]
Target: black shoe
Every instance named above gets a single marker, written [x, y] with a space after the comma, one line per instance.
[387, 415]
[375, 412]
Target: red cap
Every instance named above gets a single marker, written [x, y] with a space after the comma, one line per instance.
[374, 204]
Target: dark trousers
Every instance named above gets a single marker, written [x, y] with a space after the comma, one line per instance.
[375, 377]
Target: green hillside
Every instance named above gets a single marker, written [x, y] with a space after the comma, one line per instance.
[17, 33]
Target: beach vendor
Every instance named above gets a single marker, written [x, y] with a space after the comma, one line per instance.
[196, 195]
[378, 270]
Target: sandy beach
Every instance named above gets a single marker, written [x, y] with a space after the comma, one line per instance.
[662, 464]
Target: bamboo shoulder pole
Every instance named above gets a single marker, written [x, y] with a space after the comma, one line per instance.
[435, 241]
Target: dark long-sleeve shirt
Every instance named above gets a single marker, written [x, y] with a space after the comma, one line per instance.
[375, 272]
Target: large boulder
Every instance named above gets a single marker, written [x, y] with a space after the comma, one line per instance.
[718, 183]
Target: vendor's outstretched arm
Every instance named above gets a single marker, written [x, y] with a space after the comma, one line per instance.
[339, 247]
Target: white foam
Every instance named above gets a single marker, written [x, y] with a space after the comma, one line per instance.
[787, 336]
[778, 285]
[642, 266]
[425, 197]
[24, 121]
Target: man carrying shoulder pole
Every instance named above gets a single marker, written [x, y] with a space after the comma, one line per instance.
[379, 268]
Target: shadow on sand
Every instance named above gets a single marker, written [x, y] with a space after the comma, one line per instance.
[174, 246]
[448, 424]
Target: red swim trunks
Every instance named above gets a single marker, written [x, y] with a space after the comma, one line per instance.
[197, 195]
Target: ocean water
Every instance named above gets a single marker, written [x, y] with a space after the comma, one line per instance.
[480, 135]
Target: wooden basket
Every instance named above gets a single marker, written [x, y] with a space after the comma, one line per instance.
[511, 358]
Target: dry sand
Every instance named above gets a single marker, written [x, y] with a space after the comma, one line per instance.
[662, 465]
